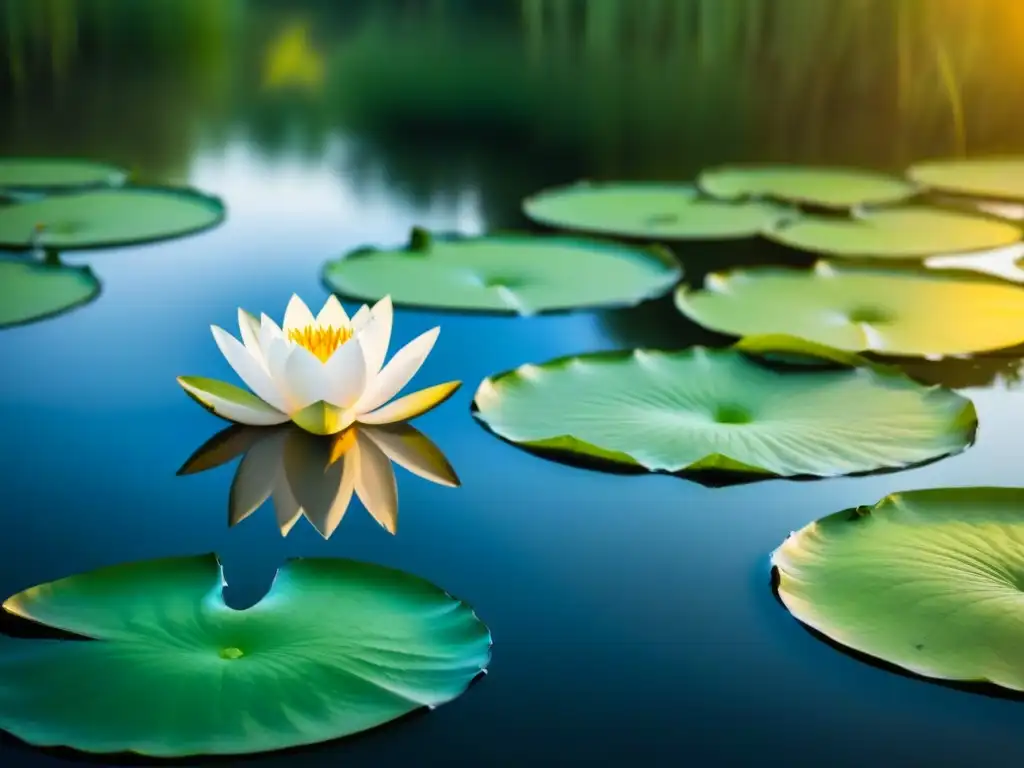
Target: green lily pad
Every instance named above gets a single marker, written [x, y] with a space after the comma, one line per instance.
[31, 291]
[723, 409]
[998, 177]
[109, 217]
[862, 309]
[50, 174]
[651, 211]
[929, 581]
[505, 273]
[911, 232]
[336, 647]
[805, 185]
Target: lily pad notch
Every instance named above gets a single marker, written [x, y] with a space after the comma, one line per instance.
[769, 406]
[658, 211]
[336, 647]
[31, 291]
[505, 272]
[106, 218]
[57, 174]
[929, 581]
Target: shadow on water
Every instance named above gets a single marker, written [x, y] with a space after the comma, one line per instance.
[988, 690]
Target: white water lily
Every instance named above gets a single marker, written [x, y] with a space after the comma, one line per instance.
[317, 477]
[324, 373]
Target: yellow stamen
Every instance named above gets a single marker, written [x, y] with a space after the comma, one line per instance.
[322, 342]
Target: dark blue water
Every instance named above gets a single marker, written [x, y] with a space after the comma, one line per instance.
[632, 616]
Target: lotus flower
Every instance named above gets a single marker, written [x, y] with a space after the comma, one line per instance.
[316, 476]
[324, 373]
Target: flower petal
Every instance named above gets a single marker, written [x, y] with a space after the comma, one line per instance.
[296, 315]
[375, 336]
[360, 318]
[399, 370]
[345, 375]
[249, 328]
[249, 369]
[230, 443]
[254, 478]
[322, 488]
[276, 352]
[269, 331]
[305, 377]
[231, 402]
[323, 418]
[407, 447]
[286, 508]
[375, 484]
[411, 406]
[332, 314]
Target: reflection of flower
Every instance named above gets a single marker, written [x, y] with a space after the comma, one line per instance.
[317, 476]
[323, 373]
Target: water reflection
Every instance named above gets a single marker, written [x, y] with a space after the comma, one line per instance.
[316, 477]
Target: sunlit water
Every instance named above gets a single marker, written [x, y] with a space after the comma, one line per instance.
[632, 616]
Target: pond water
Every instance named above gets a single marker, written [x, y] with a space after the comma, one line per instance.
[632, 616]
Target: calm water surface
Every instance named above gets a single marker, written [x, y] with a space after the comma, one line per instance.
[633, 617]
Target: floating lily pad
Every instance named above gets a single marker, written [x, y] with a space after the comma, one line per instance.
[911, 232]
[806, 185]
[862, 309]
[109, 217]
[31, 291]
[505, 273]
[722, 409]
[48, 174]
[998, 177]
[336, 647]
[929, 581]
[649, 210]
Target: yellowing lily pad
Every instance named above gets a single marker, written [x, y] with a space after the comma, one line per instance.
[505, 273]
[49, 174]
[651, 211]
[997, 177]
[929, 581]
[108, 217]
[910, 232]
[825, 187]
[31, 291]
[862, 309]
[725, 409]
[336, 647]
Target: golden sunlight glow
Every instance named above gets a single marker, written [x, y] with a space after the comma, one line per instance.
[322, 342]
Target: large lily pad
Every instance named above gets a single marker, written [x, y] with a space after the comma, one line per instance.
[108, 217]
[861, 309]
[505, 273]
[722, 409]
[48, 174]
[929, 581]
[806, 185]
[335, 647]
[30, 290]
[998, 177]
[650, 210]
[910, 232]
